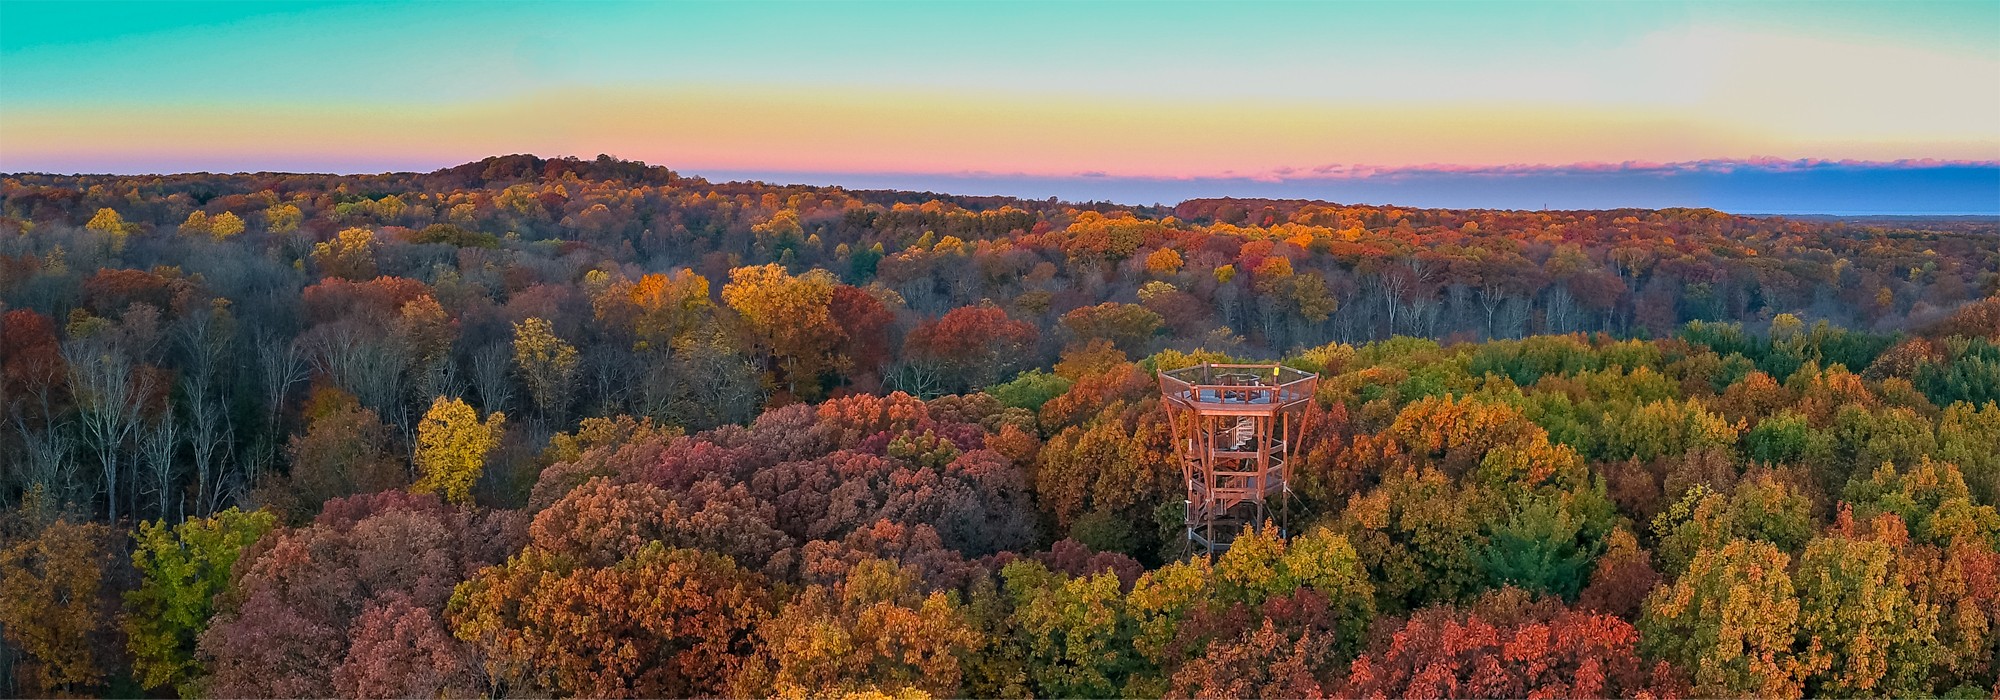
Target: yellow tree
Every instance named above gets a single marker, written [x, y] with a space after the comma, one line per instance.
[791, 320]
[223, 225]
[547, 362]
[1315, 302]
[108, 222]
[350, 255]
[197, 224]
[451, 448]
[50, 606]
[219, 227]
[1865, 634]
[660, 309]
[1731, 620]
[877, 630]
[781, 231]
[283, 218]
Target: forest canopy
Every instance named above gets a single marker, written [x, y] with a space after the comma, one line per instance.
[572, 427]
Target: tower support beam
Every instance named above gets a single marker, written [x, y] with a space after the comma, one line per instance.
[1236, 428]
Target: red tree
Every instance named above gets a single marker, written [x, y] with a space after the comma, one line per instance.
[973, 345]
[1442, 652]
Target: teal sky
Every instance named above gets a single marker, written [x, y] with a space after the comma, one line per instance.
[146, 52]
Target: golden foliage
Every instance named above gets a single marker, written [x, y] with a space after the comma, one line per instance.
[451, 448]
[546, 361]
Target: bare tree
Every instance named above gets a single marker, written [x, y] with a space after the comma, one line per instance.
[159, 441]
[281, 365]
[1458, 299]
[492, 376]
[924, 380]
[1228, 300]
[205, 341]
[47, 444]
[1560, 310]
[1412, 287]
[659, 392]
[720, 385]
[368, 363]
[1346, 321]
[610, 371]
[1491, 297]
[440, 377]
[45, 459]
[1394, 286]
[1271, 310]
[110, 390]
[1514, 319]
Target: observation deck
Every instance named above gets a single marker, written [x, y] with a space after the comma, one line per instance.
[1236, 426]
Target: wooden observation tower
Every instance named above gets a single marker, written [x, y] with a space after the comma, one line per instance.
[1236, 427]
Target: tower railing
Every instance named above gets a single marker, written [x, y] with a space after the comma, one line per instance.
[1235, 426]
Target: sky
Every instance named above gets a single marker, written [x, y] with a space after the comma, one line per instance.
[1823, 107]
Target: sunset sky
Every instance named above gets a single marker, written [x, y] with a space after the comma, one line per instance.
[1841, 107]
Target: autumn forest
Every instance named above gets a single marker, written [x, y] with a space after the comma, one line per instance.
[533, 427]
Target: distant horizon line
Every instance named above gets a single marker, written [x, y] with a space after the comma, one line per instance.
[1811, 186]
[1329, 171]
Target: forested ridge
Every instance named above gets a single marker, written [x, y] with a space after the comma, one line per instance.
[532, 427]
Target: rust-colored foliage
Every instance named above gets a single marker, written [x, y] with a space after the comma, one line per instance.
[864, 322]
[111, 291]
[976, 343]
[1260, 664]
[660, 623]
[1443, 652]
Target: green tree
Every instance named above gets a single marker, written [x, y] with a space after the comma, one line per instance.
[1663, 428]
[1551, 519]
[1787, 438]
[1966, 435]
[1161, 602]
[182, 568]
[1930, 497]
[1259, 566]
[1538, 549]
[1030, 389]
[1761, 508]
[1076, 632]
[1419, 536]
